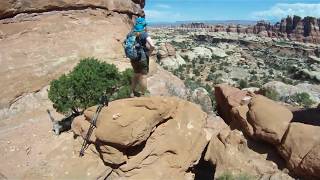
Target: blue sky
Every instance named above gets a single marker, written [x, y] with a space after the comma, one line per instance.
[179, 10]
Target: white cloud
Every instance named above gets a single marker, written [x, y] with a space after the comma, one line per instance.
[166, 16]
[163, 6]
[282, 10]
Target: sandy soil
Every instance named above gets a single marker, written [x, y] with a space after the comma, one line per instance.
[30, 150]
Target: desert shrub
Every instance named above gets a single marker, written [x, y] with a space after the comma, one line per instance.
[186, 58]
[211, 95]
[229, 176]
[270, 71]
[243, 84]
[272, 94]
[210, 77]
[255, 84]
[175, 72]
[181, 68]
[213, 69]
[124, 88]
[191, 84]
[86, 83]
[196, 72]
[302, 99]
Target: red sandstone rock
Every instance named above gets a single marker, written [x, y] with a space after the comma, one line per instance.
[227, 98]
[295, 28]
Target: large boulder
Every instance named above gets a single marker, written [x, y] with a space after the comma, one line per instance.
[229, 153]
[311, 162]
[165, 50]
[268, 119]
[300, 148]
[150, 138]
[202, 52]
[139, 123]
[256, 115]
[168, 56]
[164, 83]
[218, 52]
[228, 97]
[172, 62]
[240, 116]
[284, 91]
[49, 42]
[201, 96]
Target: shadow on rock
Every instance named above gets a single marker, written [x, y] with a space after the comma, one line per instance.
[307, 116]
[269, 150]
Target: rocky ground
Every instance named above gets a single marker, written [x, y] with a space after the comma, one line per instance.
[287, 69]
[174, 134]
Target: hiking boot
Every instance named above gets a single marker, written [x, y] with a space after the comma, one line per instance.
[135, 94]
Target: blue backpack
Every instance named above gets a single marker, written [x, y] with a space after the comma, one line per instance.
[132, 47]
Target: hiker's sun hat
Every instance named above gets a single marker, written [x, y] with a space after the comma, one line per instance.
[138, 28]
[141, 20]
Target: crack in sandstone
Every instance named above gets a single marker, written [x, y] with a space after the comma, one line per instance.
[68, 8]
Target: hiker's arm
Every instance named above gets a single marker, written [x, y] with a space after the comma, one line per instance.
[151, 44]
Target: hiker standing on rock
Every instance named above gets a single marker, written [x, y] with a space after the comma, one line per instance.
[138, 52]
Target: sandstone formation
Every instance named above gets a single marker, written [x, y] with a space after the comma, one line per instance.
[229, 151]
[40, 40]
[294, 28]
[150, 138]
[262, 119]
[257, 116]
[285, 91]
[228, 97]
[164, 83]
[166, 50]
[168, 57]
[201, 96]
[11, 8]
[268, 119]
[300, 148]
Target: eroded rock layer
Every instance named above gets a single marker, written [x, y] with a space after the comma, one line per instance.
[264, 120]
[40, 40]
[148, 138]
[294, 28]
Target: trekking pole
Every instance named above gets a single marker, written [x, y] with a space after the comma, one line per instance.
[103, 102]
[50, 116]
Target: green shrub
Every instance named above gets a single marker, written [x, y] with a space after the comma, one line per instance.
[191, 84]
[213, 69]
[272, 94]
[303, 99]
[196, 72]
[186, 58]
[210, 77]
[243, 84]
[86, 83]
[229, 176]
[124, 90]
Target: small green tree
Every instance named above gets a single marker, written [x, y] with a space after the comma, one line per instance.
[125, 83]
[272, 94]
[210, 77]
[85, 84]
[303, 99]
[243, 83]
[196, 72]
[230, 176]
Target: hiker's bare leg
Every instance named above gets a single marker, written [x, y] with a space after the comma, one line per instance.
[143, 84]
[134, 82]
